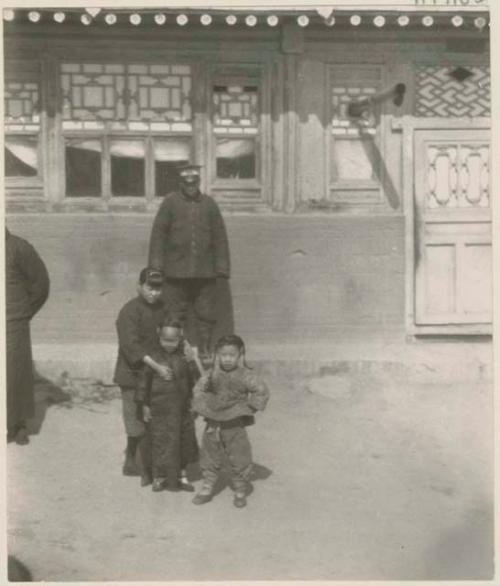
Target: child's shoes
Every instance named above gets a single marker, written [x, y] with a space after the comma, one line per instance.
[239, 500]
[146, 480]
[185, 485]
[204, 496]
[158, 484]
[201, 499]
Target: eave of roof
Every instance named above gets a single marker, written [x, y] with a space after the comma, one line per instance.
[198, 6]
[362, 17]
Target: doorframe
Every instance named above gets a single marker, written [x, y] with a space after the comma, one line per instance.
[408, 125]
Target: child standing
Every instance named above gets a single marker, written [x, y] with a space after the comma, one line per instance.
[136, 326]
[227, 398]
[166, 407]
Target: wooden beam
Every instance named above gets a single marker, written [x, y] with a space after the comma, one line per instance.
[291, 131]
[292, 39]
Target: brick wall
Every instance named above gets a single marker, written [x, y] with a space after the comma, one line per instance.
[293, 276]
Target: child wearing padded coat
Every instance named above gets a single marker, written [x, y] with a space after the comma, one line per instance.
[165, 403]
[227, 398]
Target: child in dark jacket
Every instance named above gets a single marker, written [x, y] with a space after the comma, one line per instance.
[227, 398]
[165, 403]
[136, 326]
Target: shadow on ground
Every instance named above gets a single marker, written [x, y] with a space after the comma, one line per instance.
[47, 394]
[17, 571]
[67, 392]
[465, 552]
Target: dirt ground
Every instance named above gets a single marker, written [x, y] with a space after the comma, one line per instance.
[357, 477]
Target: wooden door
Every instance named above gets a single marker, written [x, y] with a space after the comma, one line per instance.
[453, 249]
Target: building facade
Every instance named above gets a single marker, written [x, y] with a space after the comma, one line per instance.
[349, 151]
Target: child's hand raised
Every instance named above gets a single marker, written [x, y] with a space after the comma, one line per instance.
[146, 413]
[189, 352]
[164, 371]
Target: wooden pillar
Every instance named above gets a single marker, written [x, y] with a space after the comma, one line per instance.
[277, 152]
[201, 130]
[292, 45]
[51, 120]
[313, 145]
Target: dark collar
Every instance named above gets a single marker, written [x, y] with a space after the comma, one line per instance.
[197, 197]
[156, 305]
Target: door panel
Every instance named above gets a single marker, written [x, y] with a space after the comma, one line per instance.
[453, 265]
[440, 279]
[477, 286]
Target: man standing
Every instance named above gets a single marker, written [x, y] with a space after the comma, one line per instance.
[189, 243]
[27, 289]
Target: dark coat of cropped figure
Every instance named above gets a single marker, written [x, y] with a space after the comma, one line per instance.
[189, 244]
[27, 289]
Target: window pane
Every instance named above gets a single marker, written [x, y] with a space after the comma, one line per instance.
[127, 167]
[92, 91]
[21, 102]
[130, 93]
[235, 158]
[236, 106]
[353, 159]
[83, 167]
[159, 93]
[350, 84]
[21, 156]
[168, 155]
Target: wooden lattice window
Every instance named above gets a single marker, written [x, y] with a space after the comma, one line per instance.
[124, 94]
[159, 93]
[354, 143]
[126, 126]
[22, 123]
[236, 127]
[22, 99]
[236, 106]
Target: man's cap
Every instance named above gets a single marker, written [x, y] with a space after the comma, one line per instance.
[152, 277]
[189, 169]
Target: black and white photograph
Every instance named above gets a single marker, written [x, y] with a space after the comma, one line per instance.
[248, 291]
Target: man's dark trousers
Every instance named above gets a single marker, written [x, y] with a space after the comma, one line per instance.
[180, 294]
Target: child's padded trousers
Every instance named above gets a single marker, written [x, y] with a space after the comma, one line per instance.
[231, 441]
